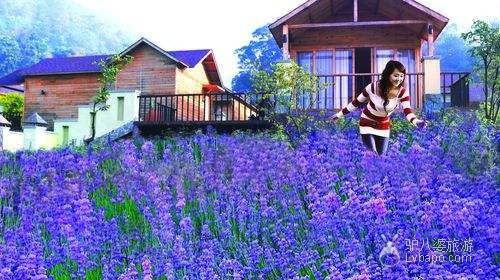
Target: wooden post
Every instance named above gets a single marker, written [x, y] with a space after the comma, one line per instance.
[286, 42]
[430, 39]
[355, 10]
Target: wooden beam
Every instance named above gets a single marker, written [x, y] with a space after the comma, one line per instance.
[286, 42]
[430, 39]
[355, 18]
[342, 5]
[424, 9]
[351, 24]
[423, 33]
[297, 10]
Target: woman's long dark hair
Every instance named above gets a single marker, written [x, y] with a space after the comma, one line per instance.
[384, 81]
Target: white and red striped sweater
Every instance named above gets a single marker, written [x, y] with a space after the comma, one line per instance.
[374, 119]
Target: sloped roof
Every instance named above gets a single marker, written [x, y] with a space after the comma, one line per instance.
[57, 65]
[35, 118]
[14, 78]
[315, 10]
[60, 65]
[90, 64]
[11, 88]
[149, 43]
[191, 57]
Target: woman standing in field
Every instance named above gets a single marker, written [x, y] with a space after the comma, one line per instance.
[383, 98]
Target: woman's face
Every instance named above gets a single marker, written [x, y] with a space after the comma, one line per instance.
[396, 78]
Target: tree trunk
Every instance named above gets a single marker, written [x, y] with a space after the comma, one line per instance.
[92, 128]
[487, 106]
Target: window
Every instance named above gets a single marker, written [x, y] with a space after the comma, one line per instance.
[324, 69]
[382, 57]
[121, 104]
[343, 83]
[327, 64]
[65, 135]
[304, 59]
[405, 56]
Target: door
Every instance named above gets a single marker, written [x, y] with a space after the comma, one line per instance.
[363, 65]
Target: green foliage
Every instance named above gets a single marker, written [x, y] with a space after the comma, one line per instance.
[401, 126]
[281, 88]
[13, 105]
[63, 271]
[197, 154]
[131, 221]
[481, 116]
[109, 72]
[484, 40]
[93, 274]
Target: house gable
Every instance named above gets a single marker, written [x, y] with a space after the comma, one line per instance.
[144, 41]
[150, 71]
[410, 15]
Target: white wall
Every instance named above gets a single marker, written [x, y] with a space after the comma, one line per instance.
[36, 137]
[106, 121]
[13, 141]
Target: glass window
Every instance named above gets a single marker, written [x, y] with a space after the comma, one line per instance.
[382, 57]
[324, 69]
[407, 57]
[304, 60]
[343, 81]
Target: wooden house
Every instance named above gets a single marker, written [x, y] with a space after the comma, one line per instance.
[348, 42]
[174, 86]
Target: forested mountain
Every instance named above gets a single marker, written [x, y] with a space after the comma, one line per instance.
[31, 30]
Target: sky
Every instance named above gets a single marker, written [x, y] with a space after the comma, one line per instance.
[226, 25]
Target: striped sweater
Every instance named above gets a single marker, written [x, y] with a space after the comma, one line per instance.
[374, 119]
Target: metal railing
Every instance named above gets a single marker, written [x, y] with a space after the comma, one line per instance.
[336, 91]
[201, 107]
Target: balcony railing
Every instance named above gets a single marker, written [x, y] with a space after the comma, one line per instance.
[339, 89]
[194, 108]
[336, 91]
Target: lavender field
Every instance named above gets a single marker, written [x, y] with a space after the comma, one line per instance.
[247, 206]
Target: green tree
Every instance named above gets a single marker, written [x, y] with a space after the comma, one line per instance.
[281, 89]
[484, 40]
[260, 54]
[13, 108]
[109, 72]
